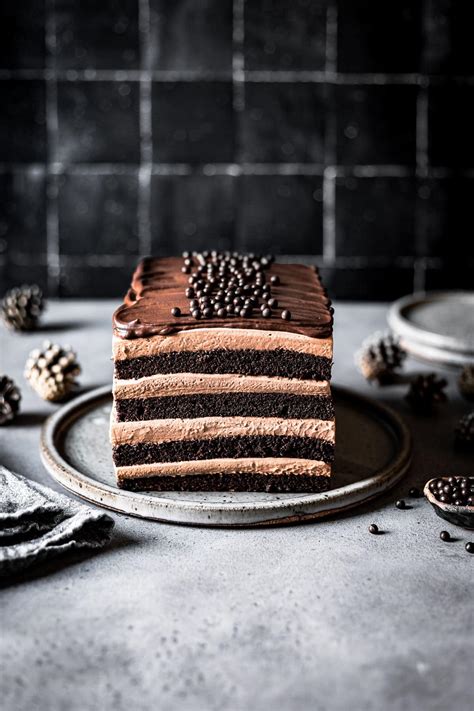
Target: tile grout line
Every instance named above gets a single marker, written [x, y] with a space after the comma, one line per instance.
[330, 173]
[238, 89]
[331, 76]
[52, 204]
[146, 139]
[422, 172]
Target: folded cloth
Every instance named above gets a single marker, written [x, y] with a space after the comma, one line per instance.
[38, 524]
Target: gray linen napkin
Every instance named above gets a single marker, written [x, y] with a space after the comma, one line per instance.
[37, 524]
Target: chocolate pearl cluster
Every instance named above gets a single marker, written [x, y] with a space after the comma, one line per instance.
[227, 284]
[455, 490]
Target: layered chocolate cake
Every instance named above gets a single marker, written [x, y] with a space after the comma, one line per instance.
[222, 370]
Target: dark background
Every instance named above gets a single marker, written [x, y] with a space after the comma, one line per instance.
[339, 132]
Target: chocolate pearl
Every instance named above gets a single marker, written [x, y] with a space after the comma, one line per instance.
[275, 280]
[273, 303]
[188, 263]
[266, 313]
[401, 504]
[245, 313]
[230, 309]
[373, 528]
[444, 535]
[186, 270]
[286, 315]
[185, 255]
[208, 313]
[193, 304]
[222, 313]
[458, 502]
[414, 492]
[189, 292]
[176, 311]
[469, 547]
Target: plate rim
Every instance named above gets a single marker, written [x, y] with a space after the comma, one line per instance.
[258, 513]
[419, 336]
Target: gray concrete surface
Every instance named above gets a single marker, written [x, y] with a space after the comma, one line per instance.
[320, 616]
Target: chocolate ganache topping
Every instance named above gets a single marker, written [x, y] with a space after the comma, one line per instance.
[223, 290]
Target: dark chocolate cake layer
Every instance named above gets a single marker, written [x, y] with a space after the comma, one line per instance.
[223, 447]
[279, 363]
[228, 482]
[225, 405]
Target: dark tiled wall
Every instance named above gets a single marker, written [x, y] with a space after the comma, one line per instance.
[338, 131]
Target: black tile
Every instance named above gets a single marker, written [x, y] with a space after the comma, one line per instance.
[281, 214]
[97, 35]
[284, 123]
[448, 37]
[285, 34]
[367, 283]
[446, 217]
[95, 281]
[23, 213]
[98, 122]
[378, 36]
[12, 274]
[22, 35]
[375, 217]
[193, 122]
[191, 36]
[376, 124]
[452, 275]
[450, 122]
[98, 214]
[22, 122]
[191, 212]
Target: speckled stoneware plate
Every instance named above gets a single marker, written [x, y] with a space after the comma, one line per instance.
[373, 452]
[436, 327]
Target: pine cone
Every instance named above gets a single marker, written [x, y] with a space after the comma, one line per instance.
[10, 397]
[425, 392]
[22, 307]
[379, 357]
[466, 382]
[464, 432]
[52, 371]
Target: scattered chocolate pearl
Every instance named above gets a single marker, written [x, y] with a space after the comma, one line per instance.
[176, 311]
[414, 492]
[401, 504]
[186, 270]
[373, 528]
[196, 314]
[286, 315]
[275, 280]
[444, 535]
[469, 547]
[266, 313]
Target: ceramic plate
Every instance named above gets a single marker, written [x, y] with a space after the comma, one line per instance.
[373, 452]
[437, 327]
